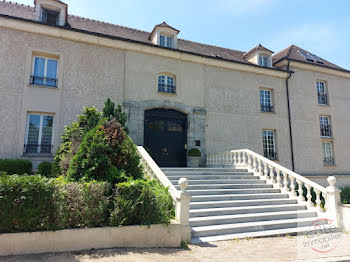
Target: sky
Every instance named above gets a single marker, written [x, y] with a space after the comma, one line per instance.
[321, 27]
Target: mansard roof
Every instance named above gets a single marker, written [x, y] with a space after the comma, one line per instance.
[295, 53]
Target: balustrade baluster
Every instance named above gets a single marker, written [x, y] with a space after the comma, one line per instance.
[244, 159]
[272, 175]
[300, 190]
[234, 158]
[285, 182]
[292, 185]
[265, 171]
[278, 178]
[318, 200]
[309, 196]
[255, 167]
[260, 168]
[249, 161]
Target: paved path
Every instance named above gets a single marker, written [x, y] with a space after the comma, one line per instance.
[256, 250]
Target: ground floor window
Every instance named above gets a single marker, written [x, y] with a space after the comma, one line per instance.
[327, 151]
[38, 133]
[269, 144]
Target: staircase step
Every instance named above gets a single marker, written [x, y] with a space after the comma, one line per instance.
[244, 210]
[233, 191]
[203, 169]
[239, 203]
[266, 233]
[213, 176]
[253, 217]
[200, 198]
[226, 186]
[221, 181]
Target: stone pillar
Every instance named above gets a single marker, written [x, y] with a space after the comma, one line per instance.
[333, 201]
[182, 210]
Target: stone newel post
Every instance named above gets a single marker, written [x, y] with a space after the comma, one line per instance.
[182, 210]
[334, 202]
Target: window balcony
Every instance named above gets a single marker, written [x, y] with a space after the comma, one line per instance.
[266, 108]
[43, 81]
[167, 88]
[326, 130]
[272, 155]
[328, 161]
[37, 149]
[322, 99]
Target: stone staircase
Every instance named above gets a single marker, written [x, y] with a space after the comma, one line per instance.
[230, 203]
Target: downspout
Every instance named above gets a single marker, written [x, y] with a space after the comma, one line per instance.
[289, 117]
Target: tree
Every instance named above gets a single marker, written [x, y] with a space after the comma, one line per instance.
[110, 112]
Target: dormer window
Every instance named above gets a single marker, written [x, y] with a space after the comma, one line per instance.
[164, 35]
[166, 41]
[263, 60]
[49, 17]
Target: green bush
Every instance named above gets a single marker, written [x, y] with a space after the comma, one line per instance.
[86, 204]
[29, 203]
[105, 154]
[141, 202]
[16, 166]
[194, 152]
[45, 169]
[345, 195]
[110, 112]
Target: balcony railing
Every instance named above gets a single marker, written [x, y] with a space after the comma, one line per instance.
[266, 108]
[322, 99]
[271, 155]
[167, 88]
[328, 161]
[34, 148]
[326, 130]
[43, 81]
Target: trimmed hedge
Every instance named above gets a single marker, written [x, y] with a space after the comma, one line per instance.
[141, 202]
[30, 203]
[16, 166]
[345, 195]
[45, 169]
[194, 152]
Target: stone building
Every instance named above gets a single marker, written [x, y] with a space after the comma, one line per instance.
[292, 106]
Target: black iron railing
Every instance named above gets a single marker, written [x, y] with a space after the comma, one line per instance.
[43, 81]
[322, 99]
[326, 130]
[328, 160]
[266, 108]
[34, 148]
[271, 155]
[167, 88]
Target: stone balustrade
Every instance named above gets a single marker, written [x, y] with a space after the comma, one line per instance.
[326, 201]
[181, 198]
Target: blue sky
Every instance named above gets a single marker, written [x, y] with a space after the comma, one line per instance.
[319, 26]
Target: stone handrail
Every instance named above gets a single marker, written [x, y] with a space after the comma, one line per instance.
[284, 179]
[181, 198]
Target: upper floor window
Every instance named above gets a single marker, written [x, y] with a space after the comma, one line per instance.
[263, 60]
[44, 71]
[327, 151]
[266, 100]
[322, 92]
[269, 144]
[38, 134]
[50, 17]
[325, 126]
[166, 83]
[166, 41]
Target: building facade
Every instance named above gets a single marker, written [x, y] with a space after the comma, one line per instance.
[291, 107]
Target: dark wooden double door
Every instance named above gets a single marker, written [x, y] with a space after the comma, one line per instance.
[165, 135]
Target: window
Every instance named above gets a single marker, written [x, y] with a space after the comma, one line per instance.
[166, 84]
[266, 100]
[327, 150]
[49, 17]
[325, 126]
[269, 144]
[262, 60]
[166, 41]
[38, 134]
[322, 93]
[44, 72]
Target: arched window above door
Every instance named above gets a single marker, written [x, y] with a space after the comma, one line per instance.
[166, 83]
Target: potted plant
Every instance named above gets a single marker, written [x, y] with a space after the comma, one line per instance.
[194, 157]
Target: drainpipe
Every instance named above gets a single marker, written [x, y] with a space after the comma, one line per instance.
[289, 117]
